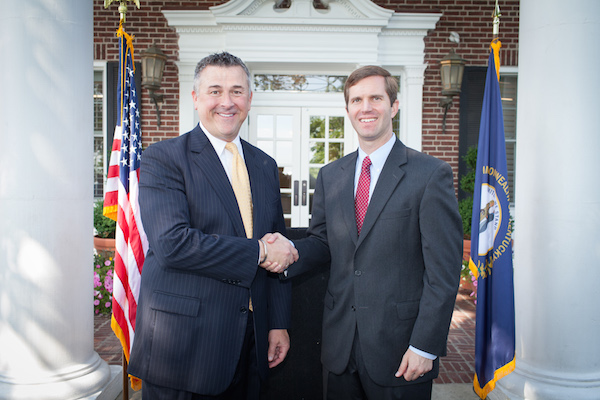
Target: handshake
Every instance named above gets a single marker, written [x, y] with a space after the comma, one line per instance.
[277, 252]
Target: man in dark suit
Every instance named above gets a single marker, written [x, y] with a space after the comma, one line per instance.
[210, 322]
[386, 218]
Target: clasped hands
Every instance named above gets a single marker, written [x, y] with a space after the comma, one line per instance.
[280, 253]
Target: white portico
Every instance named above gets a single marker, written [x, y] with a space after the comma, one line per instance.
[294, 123]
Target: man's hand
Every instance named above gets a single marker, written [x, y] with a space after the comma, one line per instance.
[279, 345]
[413, 366]
[280, 253]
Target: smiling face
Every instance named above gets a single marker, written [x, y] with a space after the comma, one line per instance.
[222, 98]
[371, 112]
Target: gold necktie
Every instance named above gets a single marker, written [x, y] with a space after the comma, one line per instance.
[241, 187]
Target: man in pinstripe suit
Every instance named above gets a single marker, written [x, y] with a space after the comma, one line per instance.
[210, 321]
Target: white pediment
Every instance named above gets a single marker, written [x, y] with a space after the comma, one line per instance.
[303, 11]
[302, 38]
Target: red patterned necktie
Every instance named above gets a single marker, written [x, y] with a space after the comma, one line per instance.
[361, 202]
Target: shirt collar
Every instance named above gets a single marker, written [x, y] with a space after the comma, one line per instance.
[219, 144]
[379, 156]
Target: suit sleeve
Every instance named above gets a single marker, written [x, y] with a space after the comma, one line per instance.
[280, 292]
[167, 222]
[313, 251]
[441, 238]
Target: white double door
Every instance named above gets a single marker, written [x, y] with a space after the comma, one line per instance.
[301, 140]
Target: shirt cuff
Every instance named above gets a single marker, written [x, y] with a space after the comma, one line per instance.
[422, 353]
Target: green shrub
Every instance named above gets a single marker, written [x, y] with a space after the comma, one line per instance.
[105, 227]
[467, 184]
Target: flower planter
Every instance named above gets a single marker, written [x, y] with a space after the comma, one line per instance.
[104, 245]
[466, 249]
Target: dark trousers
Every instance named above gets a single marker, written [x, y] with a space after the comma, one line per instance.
[244, 386]
[356, 384]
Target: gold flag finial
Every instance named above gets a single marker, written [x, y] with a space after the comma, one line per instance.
[122, 7]
[496, 20]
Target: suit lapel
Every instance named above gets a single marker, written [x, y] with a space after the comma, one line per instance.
[205, 157]
[389, 178]
[346, 181]
[257, 185]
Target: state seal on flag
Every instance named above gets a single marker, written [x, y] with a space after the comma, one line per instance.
[490, 216]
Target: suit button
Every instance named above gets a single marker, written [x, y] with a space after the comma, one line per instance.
[358, 273]
[243, 310]
[353, 308]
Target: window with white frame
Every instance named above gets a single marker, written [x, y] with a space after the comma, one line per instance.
[99, 150]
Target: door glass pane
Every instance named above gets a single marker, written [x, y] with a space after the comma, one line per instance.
[284, 152]
[266, 146]
[314, 172]
[285, 178]
[317, 127]
[284, 127]
[336, 150]
[317, 153]
[336, 127]
[286, 202]
[264, 126]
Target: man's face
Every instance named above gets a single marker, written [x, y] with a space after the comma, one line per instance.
[223, 100]
[370, 111]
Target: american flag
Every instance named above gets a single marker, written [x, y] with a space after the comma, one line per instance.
[121, 202]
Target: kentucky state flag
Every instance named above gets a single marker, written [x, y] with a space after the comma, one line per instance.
[491, 247]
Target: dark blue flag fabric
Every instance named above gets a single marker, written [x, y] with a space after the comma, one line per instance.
[491, 246]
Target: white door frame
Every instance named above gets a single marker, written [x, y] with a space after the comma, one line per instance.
[351, 33]
[284, 134]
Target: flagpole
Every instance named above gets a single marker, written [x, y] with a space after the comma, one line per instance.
[122, 17]
[496, 44]
[496, 20]
[122, 7]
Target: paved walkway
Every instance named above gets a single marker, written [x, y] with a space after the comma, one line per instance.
[455, 369]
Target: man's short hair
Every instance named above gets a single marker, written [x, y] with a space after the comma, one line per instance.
[391, 84]
[223, 59]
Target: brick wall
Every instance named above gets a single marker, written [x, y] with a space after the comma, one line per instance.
[471, 19]
[147, 25]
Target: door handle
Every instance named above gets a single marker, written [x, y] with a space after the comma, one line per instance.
[304, 193]
[295, 193]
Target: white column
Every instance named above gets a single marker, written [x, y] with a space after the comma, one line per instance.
[412, 132]
[46, 283]
[557, 221]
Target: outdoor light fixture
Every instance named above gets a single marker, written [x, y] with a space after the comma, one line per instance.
[153, 65]
[452, 68]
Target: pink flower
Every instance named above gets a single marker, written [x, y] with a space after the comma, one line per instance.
[107, 263]
[97, 265]
[96, 302]
[108, 304]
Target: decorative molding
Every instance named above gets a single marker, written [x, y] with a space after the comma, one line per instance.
[411, 32]
[256, 4]
[351, 9]
[198, 29]
[300, 28]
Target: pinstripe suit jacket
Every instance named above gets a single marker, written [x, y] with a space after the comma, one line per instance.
[201, 270]
[396, 283]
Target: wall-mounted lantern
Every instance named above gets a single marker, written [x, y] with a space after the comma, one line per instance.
[452, 69]
[153, 65]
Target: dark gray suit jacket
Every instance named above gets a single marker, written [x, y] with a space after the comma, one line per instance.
[395, 284]
[201, 270]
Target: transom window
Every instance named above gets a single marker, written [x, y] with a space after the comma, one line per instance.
[299, 83]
